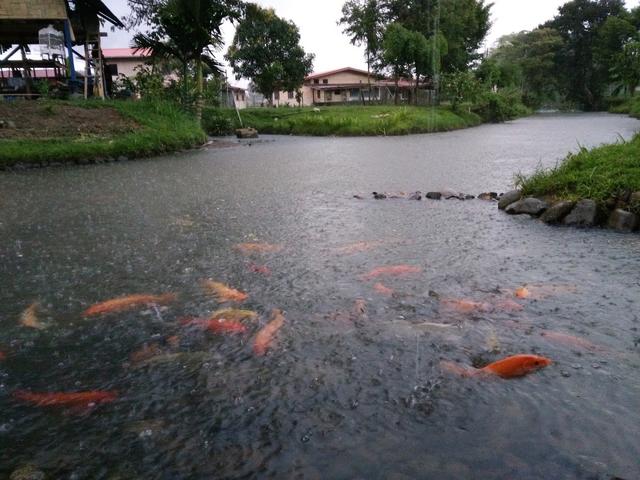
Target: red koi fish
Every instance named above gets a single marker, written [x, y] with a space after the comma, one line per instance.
[266, 335]
[66, 399]
[222, 292]
[261, 269]
[570, 340]
[510, 367]
[128, 303]
[3, 356]
[216, 325]
[383, 290]
[391, 271]
[256, 247]
[464, 306]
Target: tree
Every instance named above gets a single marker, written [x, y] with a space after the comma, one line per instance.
[526, 61]
[626, 68]
[463, 23]
[579, 22]
[363, 23]
[266, 50]
[399, 52]
[189, 31]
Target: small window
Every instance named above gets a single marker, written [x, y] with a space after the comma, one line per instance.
[325, 81]
[290, 95]
[355, 92]
[316, 81]
[337, 92]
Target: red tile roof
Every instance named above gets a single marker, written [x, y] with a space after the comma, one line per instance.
[126, 53]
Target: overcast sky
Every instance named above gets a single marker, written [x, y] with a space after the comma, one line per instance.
[321, 35]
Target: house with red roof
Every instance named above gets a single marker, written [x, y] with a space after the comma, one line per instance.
[123, 61]
[343, 86]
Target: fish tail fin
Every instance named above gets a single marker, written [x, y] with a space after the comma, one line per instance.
[456, 369]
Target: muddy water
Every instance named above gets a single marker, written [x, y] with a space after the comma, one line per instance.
[340, 394]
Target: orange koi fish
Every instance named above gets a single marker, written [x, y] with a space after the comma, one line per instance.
[569, 340]
[538, 292]
[391, 271]
[128, 303]
[383, 290]
[522, 292]
[265, 337]
[216, 325]
[222, 292]
[261, 269]
[234, 314]
[29, 318]
[464, 306]
[510, 367]
[358, 247]
[508, 305]
[256, 247]
[66, 399]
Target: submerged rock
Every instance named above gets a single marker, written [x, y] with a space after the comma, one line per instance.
[416, 196]
[531, 206]
[622, 220]
[509, 198]
[488, 196]
[246, 133]
[433, 196]
[379, 196]
[584, 214]
[27, 472]
[557, 212]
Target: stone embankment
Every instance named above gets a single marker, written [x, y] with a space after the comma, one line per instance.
[618, 213]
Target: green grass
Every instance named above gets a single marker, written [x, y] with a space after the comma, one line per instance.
[164, 128]
[342, 120]
[599, 174]
[630, 106]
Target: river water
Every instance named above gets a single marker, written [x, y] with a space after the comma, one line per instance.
[340, 393]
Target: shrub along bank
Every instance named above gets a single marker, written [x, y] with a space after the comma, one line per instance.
[340, 120]
[592, 187]
[74, 131]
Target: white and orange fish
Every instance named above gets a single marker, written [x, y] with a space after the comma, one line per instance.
[223, 293]
[570, 340]
[29, 317]
[234, 314]
[266, 335]
[129, 302]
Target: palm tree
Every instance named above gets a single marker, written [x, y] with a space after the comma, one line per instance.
[189, 31]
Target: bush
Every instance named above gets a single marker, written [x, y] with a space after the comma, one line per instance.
[500, 106]
[216, 122]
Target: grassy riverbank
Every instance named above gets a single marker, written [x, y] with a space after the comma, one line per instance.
[629, 106]
[599, 174]
[66, 131]
[341, 120]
